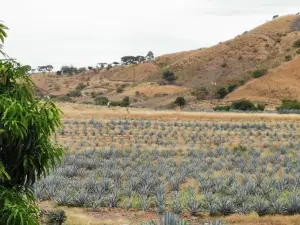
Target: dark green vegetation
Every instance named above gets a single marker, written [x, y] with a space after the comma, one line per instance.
[169, 76]
[297, 44]
[259, 73]
[288, 105]
[180, 101]
[242, 105]
[26, 151]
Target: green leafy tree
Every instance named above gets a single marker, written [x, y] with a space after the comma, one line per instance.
[26, 150]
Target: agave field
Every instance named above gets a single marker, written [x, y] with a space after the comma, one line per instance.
[214, 168]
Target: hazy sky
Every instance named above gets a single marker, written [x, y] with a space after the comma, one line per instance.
[85, 32]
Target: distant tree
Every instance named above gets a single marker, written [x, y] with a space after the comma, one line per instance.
[49, 68]
[221, 93]
[109, 66]
[90, 68]
[101, 100]
[276, 16]
[127, 60]
[180, 101]
[150, 56]
[59, 73]
[42, 69]
[169, 76]
[140, 58]
[69, 70]
[115, 63]
[101, 66]
[81, 70]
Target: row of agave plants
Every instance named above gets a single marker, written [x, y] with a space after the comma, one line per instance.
[212, 181]
[177, 135]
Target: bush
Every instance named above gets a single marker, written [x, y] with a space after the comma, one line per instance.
[296, 44]
[137, 93]
[180, 101]
[261, 107]
[124, 103]
[259, 73]
[169, 76]
[200, 93]
[74, 93]
[57, 217]
[101, 100]
[289, 104]
[231, 87]
[81, 86]
[222, 93]
[288, 58]
[120, 89]
[244, 105]
[298, 51]
[222, 108]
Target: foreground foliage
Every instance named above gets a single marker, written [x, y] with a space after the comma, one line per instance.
[26, 150]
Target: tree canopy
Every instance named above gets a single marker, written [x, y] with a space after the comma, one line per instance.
[26, 150]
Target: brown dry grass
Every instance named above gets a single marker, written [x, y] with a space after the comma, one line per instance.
[81, 216]
[228, 62]
[83, 112]
[283, 83]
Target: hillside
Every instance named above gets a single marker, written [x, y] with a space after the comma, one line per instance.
[282, 83]
[231, 62]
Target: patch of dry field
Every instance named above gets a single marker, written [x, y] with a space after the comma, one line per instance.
[83, 112]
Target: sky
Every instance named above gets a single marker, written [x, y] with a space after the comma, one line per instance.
[87, 32]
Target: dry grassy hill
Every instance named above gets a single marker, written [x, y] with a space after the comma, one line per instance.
[282, 83]
[264, 47]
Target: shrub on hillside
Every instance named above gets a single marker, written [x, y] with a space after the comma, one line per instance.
[180, 101]
[101, 100]
[297, 44]
[231, 87]
[289, 104]
[74, 93]
[261, 107]
[222, 108]
[298, 52]
[81, 86]
[259, 73]
[124, 103]
[200, 93]
[222, 92]
[169, 76]
[244, 105]
[288, 58]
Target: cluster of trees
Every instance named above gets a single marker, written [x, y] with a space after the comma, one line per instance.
[242, 105]
[70, 70]
[126, 60]
[102, 100]
[43, 69]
